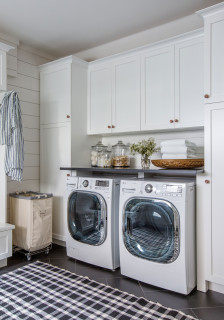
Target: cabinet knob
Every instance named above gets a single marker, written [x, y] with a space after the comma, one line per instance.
[206, 96]
[68, 116]
[68, 174]
[176, 120]
[171, 121]
[113, 126]
[108, 127]
[207, 181]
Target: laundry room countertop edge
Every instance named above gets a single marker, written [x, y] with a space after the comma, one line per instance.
[179, 172]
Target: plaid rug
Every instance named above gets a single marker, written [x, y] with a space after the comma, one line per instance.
[42, 291]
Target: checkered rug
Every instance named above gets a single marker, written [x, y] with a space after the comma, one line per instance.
[42, 291]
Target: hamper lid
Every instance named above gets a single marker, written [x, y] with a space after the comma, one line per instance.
[31, 195]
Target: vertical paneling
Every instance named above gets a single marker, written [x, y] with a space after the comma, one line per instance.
[27, 84]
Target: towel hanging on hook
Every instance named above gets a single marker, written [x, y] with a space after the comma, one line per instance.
[11, 135]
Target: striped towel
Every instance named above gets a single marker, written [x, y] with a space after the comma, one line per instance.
[11, 135]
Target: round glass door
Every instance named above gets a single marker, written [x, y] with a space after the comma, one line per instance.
[151, 229]
[87, 219]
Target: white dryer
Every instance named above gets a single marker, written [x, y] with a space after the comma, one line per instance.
[92, 222]
[157, 233]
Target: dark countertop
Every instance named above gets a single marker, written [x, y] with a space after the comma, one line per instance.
[169, 172]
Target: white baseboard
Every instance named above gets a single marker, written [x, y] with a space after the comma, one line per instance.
[59, 242]
[58, 237]
[216, 287]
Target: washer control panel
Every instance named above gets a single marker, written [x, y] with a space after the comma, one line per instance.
[148, 188]
[173, 190]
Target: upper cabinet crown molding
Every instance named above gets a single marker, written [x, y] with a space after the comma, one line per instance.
[159, 44]
[5, 47]
[63, 61]
[213, 10]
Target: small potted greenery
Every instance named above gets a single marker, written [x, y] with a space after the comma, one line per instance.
[145, 148]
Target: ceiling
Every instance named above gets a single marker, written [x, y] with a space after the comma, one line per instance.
[63, 27]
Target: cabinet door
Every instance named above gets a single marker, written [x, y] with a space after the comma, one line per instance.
[5, 244]
[55, 152]
[3, 81]
[99, 99]
[126, 95]
[55, 94]
[214, 53]
[189, 84]
[214, 159]
[158, 89]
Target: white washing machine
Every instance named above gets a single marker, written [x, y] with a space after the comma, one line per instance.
[157, 233]
[92, 221]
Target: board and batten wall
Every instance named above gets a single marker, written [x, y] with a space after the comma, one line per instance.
[23, 77]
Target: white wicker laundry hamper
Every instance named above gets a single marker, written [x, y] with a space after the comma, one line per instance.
[31, 213]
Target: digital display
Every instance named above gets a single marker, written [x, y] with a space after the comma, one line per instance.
[102, 183]
[173, 188]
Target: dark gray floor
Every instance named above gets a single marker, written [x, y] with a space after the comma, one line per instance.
[209, 306]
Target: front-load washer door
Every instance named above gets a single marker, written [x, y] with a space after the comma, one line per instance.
[151, 229]
[87, 217]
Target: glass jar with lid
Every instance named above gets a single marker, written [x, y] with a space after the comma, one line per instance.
[95, 151]
[121, 155]
[104, 158]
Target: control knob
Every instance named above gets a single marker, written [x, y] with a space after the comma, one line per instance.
[148, 188]
[85, 183]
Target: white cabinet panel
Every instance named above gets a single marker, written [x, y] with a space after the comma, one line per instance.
[55, 104]
[126, 95]
[55, 153]
[3, 83]
[157, 89]
[5, 244]
[189, 66]
[100, 100]
[214, 218]
[214, 53]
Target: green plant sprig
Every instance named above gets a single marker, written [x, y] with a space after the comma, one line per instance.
[144, 147]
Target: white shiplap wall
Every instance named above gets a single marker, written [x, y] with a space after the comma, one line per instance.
[27, 84]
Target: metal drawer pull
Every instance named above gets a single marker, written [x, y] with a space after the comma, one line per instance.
[206, 96]
[171, 121]
[207, 181]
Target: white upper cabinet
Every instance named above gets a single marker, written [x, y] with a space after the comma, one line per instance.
[155, 88]
[99, 99]
[214, 53]
[189, 84]
[114, 96]
[126, 95]
[55, 104]
[157, 110]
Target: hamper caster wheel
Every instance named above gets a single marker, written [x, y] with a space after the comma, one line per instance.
[47, 251]
[28, 256]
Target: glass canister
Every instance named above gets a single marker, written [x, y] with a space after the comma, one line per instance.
[104, 159]
[121, 155]
[107, 158]
[95, 150]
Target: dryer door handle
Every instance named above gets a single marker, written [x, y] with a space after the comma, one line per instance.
[129, 226]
